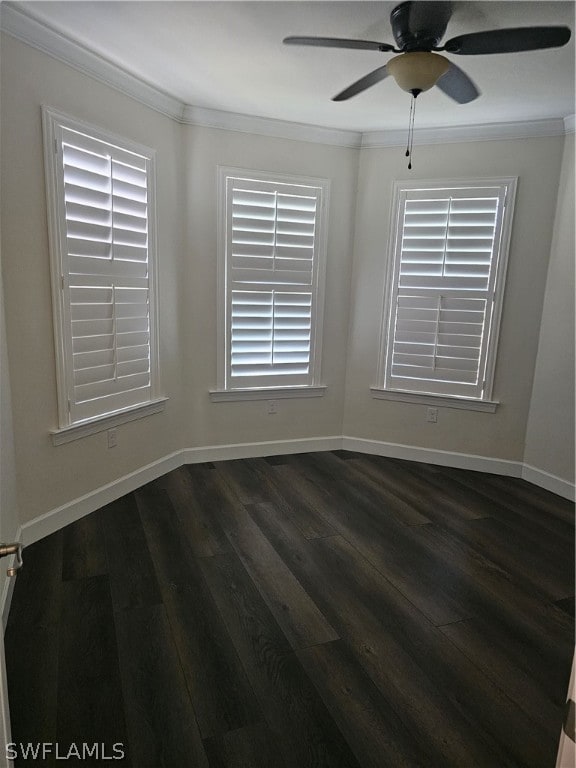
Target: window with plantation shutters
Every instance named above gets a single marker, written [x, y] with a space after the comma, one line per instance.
[103, 281]
[445, 289]
[272, 262]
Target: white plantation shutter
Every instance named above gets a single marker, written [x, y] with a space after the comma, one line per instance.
[272, 255]
[448, 268]
[105, 285]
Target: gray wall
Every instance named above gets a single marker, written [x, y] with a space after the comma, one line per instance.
[537, 163]
[9, 513]
[49, 476]
[550, 435]
[187, 156]
[217, 423]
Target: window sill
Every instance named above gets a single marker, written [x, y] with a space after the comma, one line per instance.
[269, 393]
[443, 401]
[102, 423]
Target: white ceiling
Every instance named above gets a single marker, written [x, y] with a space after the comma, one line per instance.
[229, 56]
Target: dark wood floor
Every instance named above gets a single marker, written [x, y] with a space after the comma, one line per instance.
[328, 609]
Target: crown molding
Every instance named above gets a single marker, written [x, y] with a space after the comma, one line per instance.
[18, 23]
[463, 133]
[231, 121]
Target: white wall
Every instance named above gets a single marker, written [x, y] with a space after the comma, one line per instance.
[187, 159]
[500, 435]
[237, 422]
[550, 434]
[49, 476]
[9, 516]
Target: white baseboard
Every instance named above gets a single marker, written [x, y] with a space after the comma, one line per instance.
[253, 450]
[550, 482]
[55, 519]
[52, 521]
[434, 456]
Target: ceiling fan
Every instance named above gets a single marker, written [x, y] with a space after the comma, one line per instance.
[418, 27]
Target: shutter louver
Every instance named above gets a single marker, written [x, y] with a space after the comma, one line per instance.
[107, 275]
[443, 291]
[271, 282]
[270, 333]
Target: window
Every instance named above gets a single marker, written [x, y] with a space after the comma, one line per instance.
[446, 279]
[101, 201]
[272, 253]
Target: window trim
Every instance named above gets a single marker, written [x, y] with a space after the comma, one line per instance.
[223, 391]
[52, 121]
[102, 423]
[443, 401]
[486, 403]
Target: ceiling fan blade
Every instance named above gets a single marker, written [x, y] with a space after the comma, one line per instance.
[338, 42]
[361, 85]
[508, 40]
[456, 84]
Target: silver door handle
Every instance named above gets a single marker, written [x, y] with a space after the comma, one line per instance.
[12, 549]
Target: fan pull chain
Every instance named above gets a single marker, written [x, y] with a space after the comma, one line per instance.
[410, 147]
[409, 124]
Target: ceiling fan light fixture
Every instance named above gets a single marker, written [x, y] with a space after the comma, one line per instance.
[417, 71]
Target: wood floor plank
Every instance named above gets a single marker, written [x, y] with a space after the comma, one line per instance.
[250, 747]
[305, 732]
[402, 478]
[539, 508]
[376, 494]
[170, 626]
[393, 548]
[294, 496]
[189, 489]
[217, 683]
[525, 520]
[567, 605]
[242, 480]
[276, 460]
[90, 700]
[161, 722]
[348, 595]
[548, 573]
[37, 589]
[83, 548]
[484, 711]
[495, 595]
[471, 504]
[347, 455]
[298, 615]
[31, 644]
[509, 664]
[529, 493]
[32, 678]
[131, 570]
[408, 659]
[543, 561]
[369, 723]
[537, 566]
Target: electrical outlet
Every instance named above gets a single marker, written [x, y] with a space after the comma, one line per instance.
[432, 415]
[272, 406]
[112, 438]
